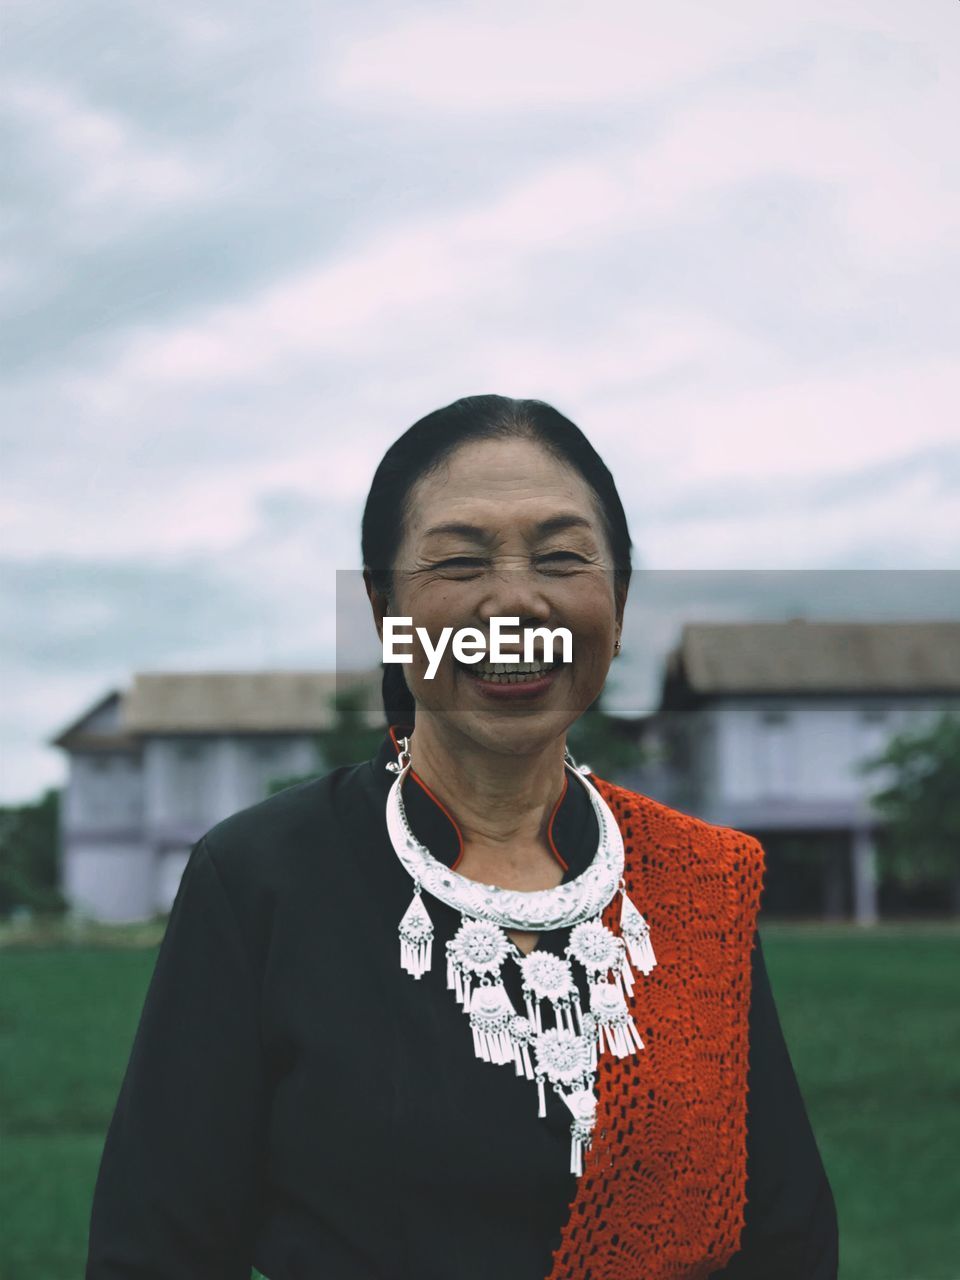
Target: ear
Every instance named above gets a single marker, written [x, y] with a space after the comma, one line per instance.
[379, 603]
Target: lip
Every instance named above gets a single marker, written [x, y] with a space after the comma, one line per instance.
[521, 692]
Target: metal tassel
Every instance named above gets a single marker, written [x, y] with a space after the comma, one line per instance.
[527, 1064]
[636, 934]
[625, 976]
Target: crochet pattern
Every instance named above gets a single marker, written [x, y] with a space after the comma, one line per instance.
[663, 1190]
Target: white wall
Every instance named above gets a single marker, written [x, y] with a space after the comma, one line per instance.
[806, 749]
[197, 781]
[169, 869]
[104, 791]
[120, 814]
[115, 883]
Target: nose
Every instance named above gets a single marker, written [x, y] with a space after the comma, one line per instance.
[515, 593]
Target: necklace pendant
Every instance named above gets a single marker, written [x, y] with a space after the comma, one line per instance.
[416, 937]
[522, 1032]
[477, 950]
[583, 1108]
[491, 1015]
[566, 1061]
[636, 933]
[613, 1019]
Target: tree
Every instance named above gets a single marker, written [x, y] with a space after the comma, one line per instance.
[920, 805]
[349, 739]
[29, 855]
[595, 739]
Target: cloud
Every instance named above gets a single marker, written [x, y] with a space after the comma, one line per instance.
[245, 257]
[888, 204]
[543, 57]
[104, 162]
[92, 614]
[496, 58]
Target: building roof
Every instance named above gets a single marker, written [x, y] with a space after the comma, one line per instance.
[217, 702]
[99, 728]
[242, 701]
[801, 656]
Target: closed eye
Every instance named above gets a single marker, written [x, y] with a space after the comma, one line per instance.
[473, 562]
[461, 568]
[562, 557]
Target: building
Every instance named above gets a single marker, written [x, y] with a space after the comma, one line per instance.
[761, 726]
[151, 769]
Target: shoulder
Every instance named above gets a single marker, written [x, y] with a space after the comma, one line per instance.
[645, 820]
[264, 844]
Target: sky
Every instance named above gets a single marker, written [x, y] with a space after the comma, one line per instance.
[245, 248]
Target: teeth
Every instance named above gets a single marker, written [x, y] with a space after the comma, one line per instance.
[509, 673]
[509, 668]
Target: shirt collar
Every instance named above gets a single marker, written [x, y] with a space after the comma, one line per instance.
[572, 829]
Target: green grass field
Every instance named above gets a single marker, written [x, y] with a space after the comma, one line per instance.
[872, 1020]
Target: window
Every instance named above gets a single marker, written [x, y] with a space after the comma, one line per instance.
[873, 731]
[776, 754]
[191, 780]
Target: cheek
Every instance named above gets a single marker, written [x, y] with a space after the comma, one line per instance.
[433, 615]
[592, 613]
[435, 606]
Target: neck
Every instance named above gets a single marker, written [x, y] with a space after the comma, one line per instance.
[498, 800]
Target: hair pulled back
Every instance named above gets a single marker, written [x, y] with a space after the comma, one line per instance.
[424, 447]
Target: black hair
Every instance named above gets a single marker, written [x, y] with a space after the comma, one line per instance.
[425, 445]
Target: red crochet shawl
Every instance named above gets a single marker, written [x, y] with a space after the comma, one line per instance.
[664, 1185]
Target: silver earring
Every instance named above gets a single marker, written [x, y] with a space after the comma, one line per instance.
[616, 647]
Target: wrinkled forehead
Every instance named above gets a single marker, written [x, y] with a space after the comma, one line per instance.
[489, 488]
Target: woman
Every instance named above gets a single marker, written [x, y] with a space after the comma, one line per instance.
[465, 1011]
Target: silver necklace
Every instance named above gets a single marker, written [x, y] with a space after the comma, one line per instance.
[554, 1039]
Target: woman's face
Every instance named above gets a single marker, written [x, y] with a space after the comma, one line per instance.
[505, 529]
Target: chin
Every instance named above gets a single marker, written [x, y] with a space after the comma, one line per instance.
[513, 734]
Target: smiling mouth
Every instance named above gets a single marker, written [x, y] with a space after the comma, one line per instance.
[509, 672]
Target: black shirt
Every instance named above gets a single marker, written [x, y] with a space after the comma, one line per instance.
[295, 1101]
